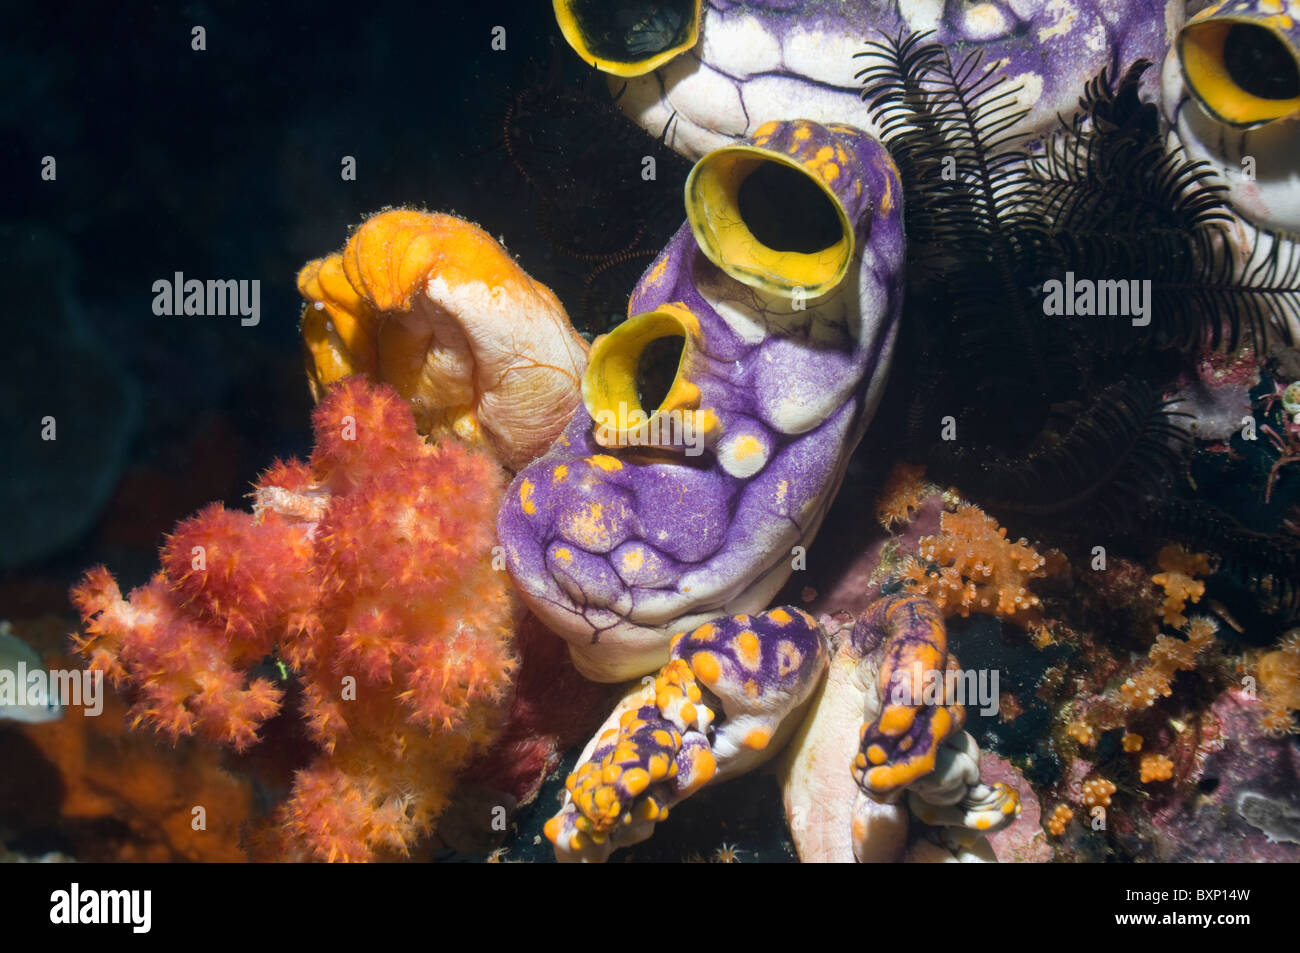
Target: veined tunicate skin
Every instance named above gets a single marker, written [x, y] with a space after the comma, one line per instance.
[623, 535]
[765, 60]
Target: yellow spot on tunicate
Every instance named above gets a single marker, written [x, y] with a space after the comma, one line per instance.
[560, 473]
[552, 829]
[860, 760]
[636, 780]
[758, 738]
[830, 171]
[605, 462]
[751, 688]
[824, 154]
[706, 666]
[802, 133]
[662, 737]
[788, 657]
[889, 777]
[896, 719]
[657, 272]
[587, 527]
[705, 633]
[782, 488]
[563, 555]
[705, 766]
[982, 823]
[611, 773]
[941, 722]
[526, 497]
[767, 129]
[779, 616]
[746, 446]
[748, 649]
[687, 712]
[705, 421]
[633, 560]
[672, 643]
[876, 754]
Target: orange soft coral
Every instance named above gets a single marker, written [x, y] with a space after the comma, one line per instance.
[370, 569]
[1179, 582]
[1167, 657]
[1060, 817]
[971, 566]
[900, 498]
[1279, 680]
[1096, 792]
[1155, 767]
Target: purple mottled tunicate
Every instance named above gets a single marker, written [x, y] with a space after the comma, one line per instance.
[617, 547]
[774, 59]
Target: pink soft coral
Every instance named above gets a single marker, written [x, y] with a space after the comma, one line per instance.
[370, 570]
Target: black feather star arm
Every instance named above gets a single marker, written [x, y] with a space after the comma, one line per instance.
[1267, 564]
[974, 239]
[1054, 416]
[1100, 465]
[1122, 202]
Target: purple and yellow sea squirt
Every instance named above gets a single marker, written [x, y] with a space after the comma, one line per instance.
[902, 755]
[729, 698]
[702, 73]
[668, 503]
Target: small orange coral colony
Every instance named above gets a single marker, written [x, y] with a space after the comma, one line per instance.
[1081, 732]
[1060, 817]
[1179, 582]
[1167, 657]
[1155, 767]
[976, 568]
[1097, 792]
[1279, 681]
[901, 496]
[369, 571]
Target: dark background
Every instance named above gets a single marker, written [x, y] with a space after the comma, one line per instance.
[220, 164]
